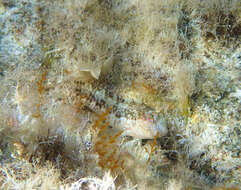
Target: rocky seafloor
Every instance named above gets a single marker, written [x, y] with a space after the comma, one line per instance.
[120, 94]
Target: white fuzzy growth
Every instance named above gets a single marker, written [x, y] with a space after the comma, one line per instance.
[236, 94]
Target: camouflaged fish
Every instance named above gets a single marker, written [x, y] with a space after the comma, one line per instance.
[136, 120]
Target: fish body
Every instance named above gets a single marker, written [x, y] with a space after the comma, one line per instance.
[136, 120]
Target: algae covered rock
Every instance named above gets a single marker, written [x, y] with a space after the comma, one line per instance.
[120, 94]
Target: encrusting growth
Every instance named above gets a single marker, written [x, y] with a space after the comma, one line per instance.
[40, 91]
[106, 145]
[153, 147]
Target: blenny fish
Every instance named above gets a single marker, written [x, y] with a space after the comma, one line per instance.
[136, 120]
